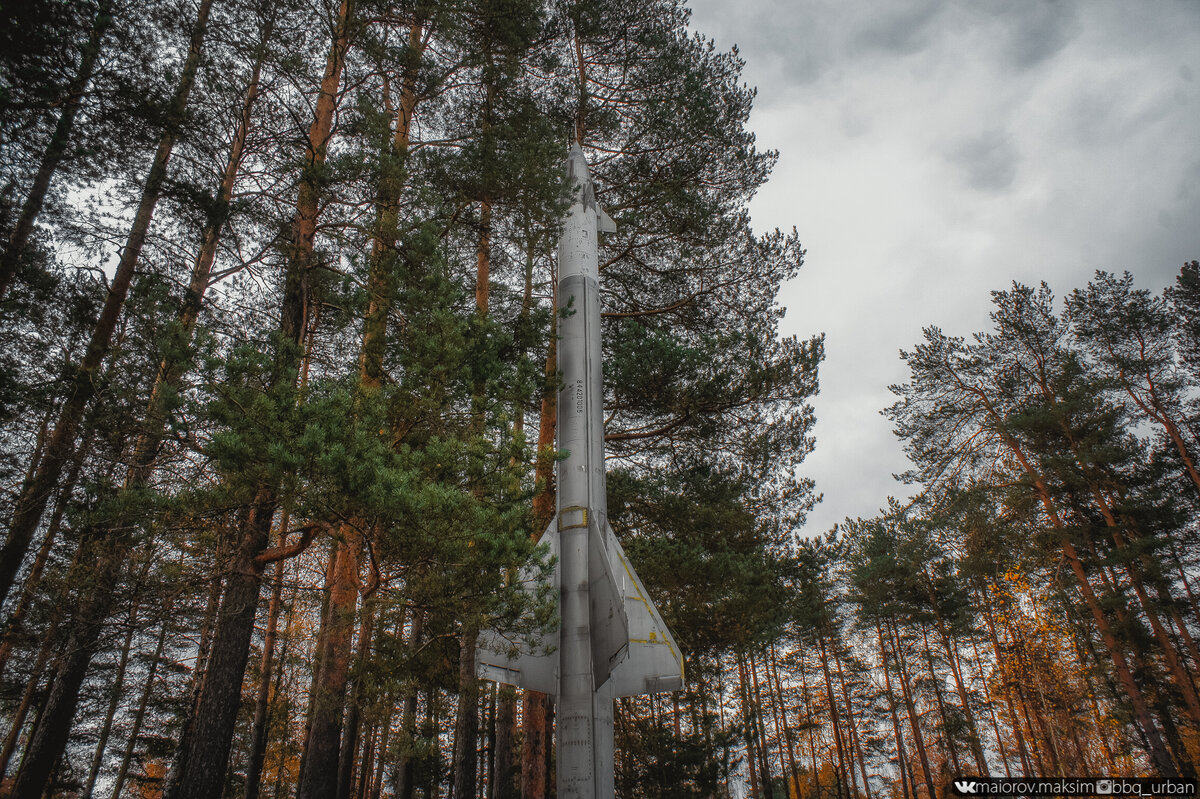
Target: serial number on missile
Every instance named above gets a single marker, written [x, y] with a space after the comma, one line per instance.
[579, 397]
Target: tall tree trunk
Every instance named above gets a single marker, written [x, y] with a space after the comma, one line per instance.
[956, 672]
[811, 726]
[850, 715]
[36, 492]
[991, 706]
[466, 727]
[834, 717]
[1082, 654]
[433, 722]
[760, 727]
[262, 701]
[29, 589]
[208, 622]
[907, 784]
[535, 749]
[376, 788]
[113, 547]
[947, 742]
[914, 720]
[53, 728]
[1022, 750]
[1136, 579]
[283, 708]
[318, 774]
[56, 148]
[198, 770]
[27, 698]
[408, 720]
[350, 735]
[199, 766]
[1158, 752]
[487, 762]
[780, 750]
[793, 767]
[747, 714]
[140, 714]
[114, 700]
[503, 785]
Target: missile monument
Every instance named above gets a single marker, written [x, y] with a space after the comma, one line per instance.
[611, 640]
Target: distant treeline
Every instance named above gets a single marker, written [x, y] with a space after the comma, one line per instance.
[1033, 611]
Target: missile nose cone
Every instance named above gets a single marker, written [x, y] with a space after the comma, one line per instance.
[577, 168]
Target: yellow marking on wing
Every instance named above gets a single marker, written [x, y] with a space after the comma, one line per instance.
[642, 598]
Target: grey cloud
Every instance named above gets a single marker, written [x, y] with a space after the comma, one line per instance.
[989, 161]
[1039, 31]
[899, 28]
[1115, 114]
[804, 42]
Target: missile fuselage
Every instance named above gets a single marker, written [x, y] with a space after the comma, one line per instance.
[584, 724]
[611, 640]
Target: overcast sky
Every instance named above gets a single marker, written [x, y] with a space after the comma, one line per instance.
[931, 152]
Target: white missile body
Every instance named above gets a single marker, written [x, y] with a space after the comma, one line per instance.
[611, 640]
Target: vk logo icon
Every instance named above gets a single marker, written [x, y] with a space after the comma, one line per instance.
[964, 786]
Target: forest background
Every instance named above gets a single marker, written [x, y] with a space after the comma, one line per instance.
[277, 392]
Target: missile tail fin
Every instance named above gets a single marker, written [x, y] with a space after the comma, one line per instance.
[653, 663]
[532, 665]
[604, 223]
[608, 623]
